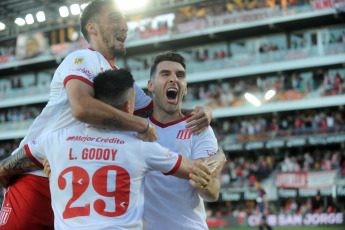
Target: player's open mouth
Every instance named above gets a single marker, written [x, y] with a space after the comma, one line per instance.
[121, 39]
[171, 94]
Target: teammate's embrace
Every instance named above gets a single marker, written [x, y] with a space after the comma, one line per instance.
[97, 173]
[27, 203]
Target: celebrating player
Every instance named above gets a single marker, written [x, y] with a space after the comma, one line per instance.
[97, 173]
[170, 202]
[27, 200]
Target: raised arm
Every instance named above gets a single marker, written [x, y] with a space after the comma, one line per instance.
[15, 164]
[92, 111]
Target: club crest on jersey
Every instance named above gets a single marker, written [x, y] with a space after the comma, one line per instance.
[210, 153]
[184, 134]
[4, 215]
[168, 154]
[78, 61]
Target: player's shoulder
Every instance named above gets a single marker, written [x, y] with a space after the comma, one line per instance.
[208, 132]
[80, 56]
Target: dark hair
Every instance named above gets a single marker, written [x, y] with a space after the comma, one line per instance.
[113, 87]
[92, 9]
[167, 56]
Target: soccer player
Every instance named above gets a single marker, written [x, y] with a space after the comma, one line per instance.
[27, 200]
[262, 203]
[170, 202]
[97, 173]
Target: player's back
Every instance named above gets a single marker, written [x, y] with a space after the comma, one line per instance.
[96, 178]
[97, 175]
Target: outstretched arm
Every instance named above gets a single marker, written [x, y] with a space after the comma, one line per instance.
[15, 164]
[205, 173]
[95, 112]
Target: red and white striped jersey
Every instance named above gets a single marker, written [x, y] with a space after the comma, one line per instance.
[83, 65]
[97, 175]
[172, 203]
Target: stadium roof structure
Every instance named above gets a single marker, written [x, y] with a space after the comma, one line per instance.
[12, 9]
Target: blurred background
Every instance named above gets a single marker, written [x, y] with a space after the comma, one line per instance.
[273, 72]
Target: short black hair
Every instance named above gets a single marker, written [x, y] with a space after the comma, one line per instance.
[113, 87]
[167, 56]
[92, 9]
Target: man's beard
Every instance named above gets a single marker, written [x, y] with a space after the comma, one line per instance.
[117, 52]
[113, 51]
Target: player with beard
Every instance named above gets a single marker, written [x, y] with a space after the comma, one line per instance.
[96, 182]
[172, 203]
[27, 200]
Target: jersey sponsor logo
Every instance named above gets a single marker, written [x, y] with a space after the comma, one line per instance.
[4, 215]
[85, 71]
[184, 134]
[78, 61]
[98, 139]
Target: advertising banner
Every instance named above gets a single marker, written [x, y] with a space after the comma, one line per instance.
[305, 180]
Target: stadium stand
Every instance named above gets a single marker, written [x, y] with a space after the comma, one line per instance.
[293, 142]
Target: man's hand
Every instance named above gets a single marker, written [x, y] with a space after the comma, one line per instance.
[200, 119]
[46, 167]
[200, 176]
[215, 162]
[150, 135]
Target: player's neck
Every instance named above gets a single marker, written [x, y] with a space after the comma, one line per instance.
[104, 52]
[164, 117]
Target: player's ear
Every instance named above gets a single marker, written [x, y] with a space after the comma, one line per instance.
[92, 28]
[127, 107]
[150, 86]
[185, 92]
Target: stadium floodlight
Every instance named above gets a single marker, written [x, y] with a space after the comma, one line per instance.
[41, 17]
[270, 93]
[2, 26]
[252, 99]
[63, 11]
[75, 9]
[20, 21]
[29, 19]
[131, 5]
[83, 6]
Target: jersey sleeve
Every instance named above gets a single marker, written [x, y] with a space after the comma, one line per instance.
[159, 158]
[78, 65]
[205, 144]
[142, 101]
[36, 150]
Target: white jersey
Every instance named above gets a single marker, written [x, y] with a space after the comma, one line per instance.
[172, 203]
[83, 65]
[97, 175]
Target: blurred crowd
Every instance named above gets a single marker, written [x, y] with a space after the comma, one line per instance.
[297, 85]
[293, 123]
[243, 170]
[19, 114]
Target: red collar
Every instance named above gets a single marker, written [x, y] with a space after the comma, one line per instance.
[154, 121]
[112, 66]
